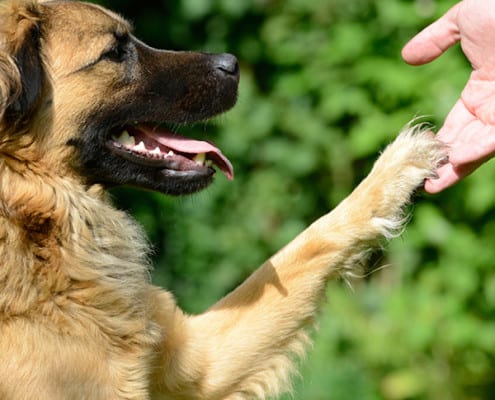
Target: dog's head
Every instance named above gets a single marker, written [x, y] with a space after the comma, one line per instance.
[80, 95]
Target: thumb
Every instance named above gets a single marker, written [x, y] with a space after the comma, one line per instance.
[434, 40]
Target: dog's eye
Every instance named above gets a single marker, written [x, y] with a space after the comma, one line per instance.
[116, 54]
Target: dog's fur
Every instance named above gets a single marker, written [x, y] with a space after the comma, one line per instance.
[79, 318]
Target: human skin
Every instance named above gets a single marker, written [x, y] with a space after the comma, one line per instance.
[469, 129]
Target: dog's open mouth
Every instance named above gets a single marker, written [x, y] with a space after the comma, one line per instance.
[164, 149]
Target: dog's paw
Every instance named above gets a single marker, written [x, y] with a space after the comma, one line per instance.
[411, 159]
[401, 169]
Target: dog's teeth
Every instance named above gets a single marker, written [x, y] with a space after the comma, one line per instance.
[156, 151]
[124, 136]
[209, 163]
[170, 154]
[200, 158]
[140, 146]
[126, 139]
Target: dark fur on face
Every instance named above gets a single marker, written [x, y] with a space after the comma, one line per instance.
[203, 89]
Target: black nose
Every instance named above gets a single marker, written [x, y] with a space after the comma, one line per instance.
[226, 63]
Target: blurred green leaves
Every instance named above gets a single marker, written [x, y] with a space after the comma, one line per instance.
[323, 90]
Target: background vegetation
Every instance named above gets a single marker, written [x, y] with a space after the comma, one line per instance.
[323, 90]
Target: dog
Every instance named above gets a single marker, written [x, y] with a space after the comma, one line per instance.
[83, 105]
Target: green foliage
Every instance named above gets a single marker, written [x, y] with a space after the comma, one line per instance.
[323, 90]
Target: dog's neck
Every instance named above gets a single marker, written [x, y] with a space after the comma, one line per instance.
[69, 244]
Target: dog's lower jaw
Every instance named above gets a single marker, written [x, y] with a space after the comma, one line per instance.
[98, 165]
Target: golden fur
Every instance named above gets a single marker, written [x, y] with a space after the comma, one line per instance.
[79, 318]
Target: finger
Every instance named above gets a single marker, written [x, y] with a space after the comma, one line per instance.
[477, 145]
[434, 40]
[470, 140]
[458, 118]
[447, 176]
[451, 130]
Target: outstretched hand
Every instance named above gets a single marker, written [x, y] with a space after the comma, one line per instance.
[469, 129]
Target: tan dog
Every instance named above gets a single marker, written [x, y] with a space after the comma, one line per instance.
[79, 318]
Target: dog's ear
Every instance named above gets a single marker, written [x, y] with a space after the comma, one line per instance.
[21, 73]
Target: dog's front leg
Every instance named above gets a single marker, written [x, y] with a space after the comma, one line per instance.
[241, 348]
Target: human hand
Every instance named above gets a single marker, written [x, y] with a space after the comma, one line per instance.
[469, 129]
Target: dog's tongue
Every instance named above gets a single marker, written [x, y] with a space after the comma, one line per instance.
[181, 144]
